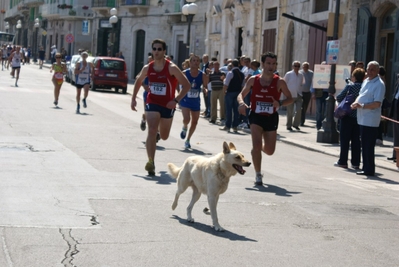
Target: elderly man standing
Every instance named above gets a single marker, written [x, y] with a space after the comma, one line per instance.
[368, 105]
[294, 80]
[306, 95]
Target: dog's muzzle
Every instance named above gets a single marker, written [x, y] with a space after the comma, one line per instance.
[240, 169]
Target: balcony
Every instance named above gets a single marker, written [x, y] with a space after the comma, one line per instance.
[135, 6]
[33, 3]
[103, 6]
[50, 11]
[77, 13]
[13, 14]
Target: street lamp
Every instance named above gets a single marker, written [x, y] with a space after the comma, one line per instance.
[36, 25]
[189, 10]
[113, 20]
[329, 133]
[19, 26]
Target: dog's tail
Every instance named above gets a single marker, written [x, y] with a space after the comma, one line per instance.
[173, 170]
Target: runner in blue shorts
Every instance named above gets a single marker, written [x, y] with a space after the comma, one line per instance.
[190, 104]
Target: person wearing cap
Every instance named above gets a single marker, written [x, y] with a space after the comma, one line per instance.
[83, 71]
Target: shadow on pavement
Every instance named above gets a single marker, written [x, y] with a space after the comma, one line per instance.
[209, 230]
[279, 191]
[163, 178]
[376, 178]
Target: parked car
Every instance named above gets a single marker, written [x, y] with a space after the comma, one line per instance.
[109, 72]
[71, 68]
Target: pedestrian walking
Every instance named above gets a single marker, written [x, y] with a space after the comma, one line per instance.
[368, 105]
[59, 69]
[294, 80]
[163, 77]
[267, 88]
[349, 131]
[41, 57]
[84, 71]
[306, 95]
[190, 104]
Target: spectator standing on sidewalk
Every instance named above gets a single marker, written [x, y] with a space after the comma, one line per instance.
[294, 80]
[267, 88]
[232, 86]
[53, 52]
[394, 114]
[368, 105]
[204, 67]
[216, 79]
[190, 104]
[306, 95]
[349, 132]
[41, 56]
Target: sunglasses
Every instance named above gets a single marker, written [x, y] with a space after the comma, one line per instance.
[157, 49]
[57, 57]
[296, 66]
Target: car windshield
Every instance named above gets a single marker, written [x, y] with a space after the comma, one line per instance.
[74, 59]
[111, 65]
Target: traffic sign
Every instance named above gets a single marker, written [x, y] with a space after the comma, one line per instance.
[69, 38]
[332, 52]
[321, 76]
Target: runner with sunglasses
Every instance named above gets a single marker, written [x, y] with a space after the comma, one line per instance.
[59, 69]
[163, 76]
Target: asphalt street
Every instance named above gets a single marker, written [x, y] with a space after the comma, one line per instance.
[74, 192]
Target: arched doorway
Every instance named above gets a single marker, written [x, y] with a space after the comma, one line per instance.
[140, 42]
[289, 51]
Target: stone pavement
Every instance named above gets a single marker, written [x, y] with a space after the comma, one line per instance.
[307, 138]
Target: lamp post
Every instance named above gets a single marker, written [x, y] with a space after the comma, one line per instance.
[113, 20]
[7, 26]
[36, 25]
[189, 10]
[329, 133]
[19, 26]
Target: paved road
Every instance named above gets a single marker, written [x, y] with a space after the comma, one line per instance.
[74, 193]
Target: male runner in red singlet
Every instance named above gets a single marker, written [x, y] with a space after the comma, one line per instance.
[263, 117]
[163, 77]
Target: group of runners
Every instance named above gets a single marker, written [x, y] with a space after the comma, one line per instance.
[161, 99]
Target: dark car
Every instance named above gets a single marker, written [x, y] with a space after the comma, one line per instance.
[109, 72]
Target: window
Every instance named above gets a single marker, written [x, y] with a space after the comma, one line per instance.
[320, 5]
[271, 14]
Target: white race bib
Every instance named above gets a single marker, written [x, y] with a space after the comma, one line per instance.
[263, 107]
[193, 94]
[58, 75]
[158, 88]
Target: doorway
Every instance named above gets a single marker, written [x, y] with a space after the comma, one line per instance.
[140, 41]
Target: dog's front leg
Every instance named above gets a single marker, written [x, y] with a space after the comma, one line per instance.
[213, 201]
[195, 197]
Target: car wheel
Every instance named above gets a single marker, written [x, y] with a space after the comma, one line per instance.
[124, 90]
[116, 90]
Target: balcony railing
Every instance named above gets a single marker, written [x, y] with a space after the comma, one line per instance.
[104, 3]
[33, 3]
[50, 10]
[135, 2]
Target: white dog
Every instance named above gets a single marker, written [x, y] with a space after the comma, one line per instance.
[208, 176]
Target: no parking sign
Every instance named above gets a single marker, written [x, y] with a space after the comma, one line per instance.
[69, 38]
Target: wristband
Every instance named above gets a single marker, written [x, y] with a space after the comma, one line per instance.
[174, 99]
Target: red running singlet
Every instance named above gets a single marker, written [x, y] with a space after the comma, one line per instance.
[162, 85]
[261, 97]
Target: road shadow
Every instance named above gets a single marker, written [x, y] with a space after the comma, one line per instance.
[278, 191]
[84, 114]
[56, 107]
[195, 152]
[380, 179]
[162, 178]
[209, 230]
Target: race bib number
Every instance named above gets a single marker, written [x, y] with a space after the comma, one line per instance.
[263, 107]
[158, 88]
[83, 77]
[193, 94]
[58, 75]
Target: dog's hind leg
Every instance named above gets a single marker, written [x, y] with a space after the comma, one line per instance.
[194, 199]
[182, 185]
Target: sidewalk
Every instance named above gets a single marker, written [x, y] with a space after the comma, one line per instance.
[307, 138]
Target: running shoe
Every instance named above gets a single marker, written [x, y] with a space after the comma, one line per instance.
[183, 133]
[55, 103]
[78, 109]
[84, 103]
[187, 144]
[16, 85]
[143, 125]
[150, 167]
[158, 137]
[258, 179]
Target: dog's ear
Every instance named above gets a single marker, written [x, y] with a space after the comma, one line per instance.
[226, 148]
[232, 147]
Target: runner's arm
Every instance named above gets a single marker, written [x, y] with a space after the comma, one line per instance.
[182, 79]
[137, 85]
[282, 85]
